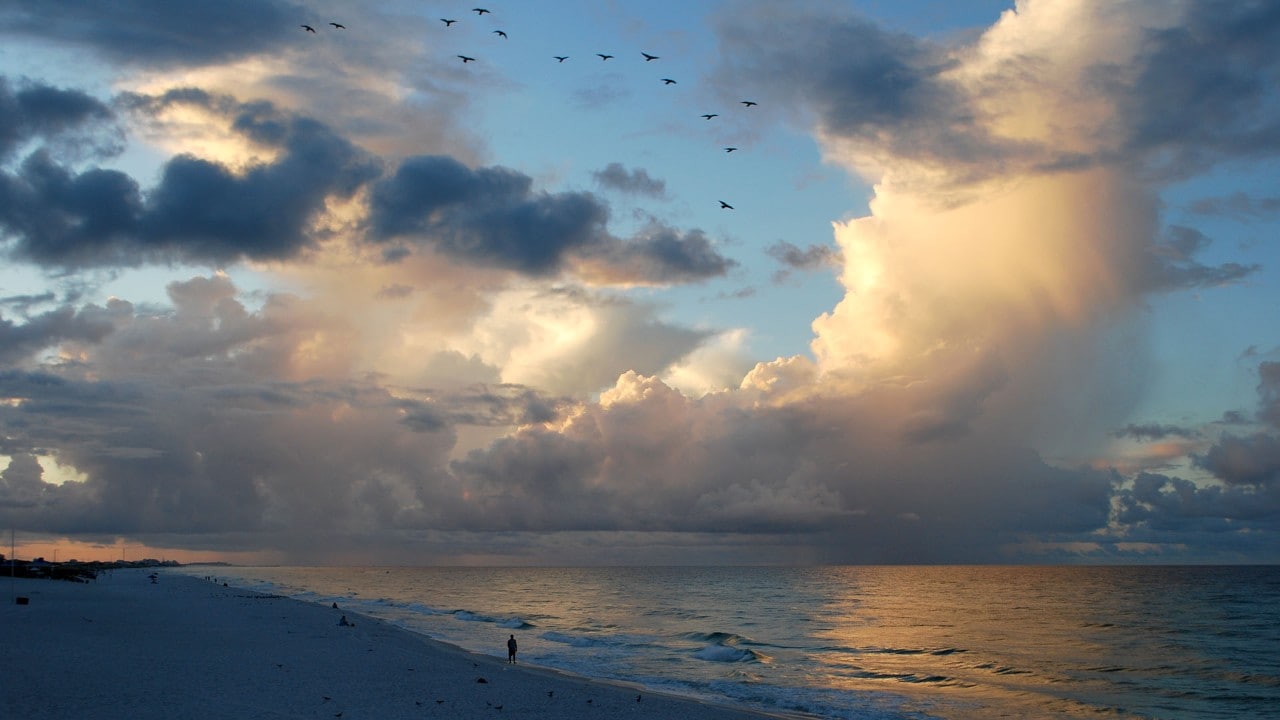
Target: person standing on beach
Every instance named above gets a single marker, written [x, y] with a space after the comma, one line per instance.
[511, 649]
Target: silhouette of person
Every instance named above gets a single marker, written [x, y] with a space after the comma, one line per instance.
[511, 649]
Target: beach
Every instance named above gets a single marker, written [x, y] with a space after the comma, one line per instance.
[186, 647]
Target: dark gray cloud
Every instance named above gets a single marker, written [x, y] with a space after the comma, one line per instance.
[859, 80]
[1252, 461]
[656, 462]
[1269, 393]
[488, 216]
[35, 110]
[662, 254]
[1235, 518]
[502, 405]
[793, 258]
[158, 33]
[1172, 264]
[1152, 431]
[18, 342]
[615, 176]
[1173, 508]
[1205, 88]
[200, 211]
[810, 258]
[1238, 205]
[493, 217]
[1200, 91]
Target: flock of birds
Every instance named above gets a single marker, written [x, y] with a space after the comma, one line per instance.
[604, 57]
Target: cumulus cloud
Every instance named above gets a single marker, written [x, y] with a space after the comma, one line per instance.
[993, 306]
[48, 330]
[493, 217]
[200, 211]
[36, 110]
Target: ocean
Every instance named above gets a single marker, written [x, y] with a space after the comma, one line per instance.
[955, 643]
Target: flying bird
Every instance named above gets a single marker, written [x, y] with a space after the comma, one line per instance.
[338, 26]
[447, 23]
[480, 11]
[725, 206]
[603, 56]
[748, 103]
[710, 115]
[730, 149]
[308, 28]
[648, 57]
[668, 81]
[561, 58]
[499, 33]
[466, 59]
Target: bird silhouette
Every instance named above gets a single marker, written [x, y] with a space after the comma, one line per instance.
[466, 59]
[748, 103]
[480, 11]
[710, 115]
[603, 56]
[499, 33]
[447, 23]
[730, 149]
[725, 206]
[561, 58]
[668, 81]
[338, 26]
[308, 28]
[648, 57]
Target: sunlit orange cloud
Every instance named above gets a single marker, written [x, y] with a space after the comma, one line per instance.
[995, 271]
[1128, 458]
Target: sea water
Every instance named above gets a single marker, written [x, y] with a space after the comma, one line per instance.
[959, 643]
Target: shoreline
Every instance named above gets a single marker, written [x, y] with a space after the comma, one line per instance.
[188, 647]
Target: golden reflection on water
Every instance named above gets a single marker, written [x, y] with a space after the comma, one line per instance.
[996, 634]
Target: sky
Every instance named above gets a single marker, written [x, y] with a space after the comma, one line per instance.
[997, 281]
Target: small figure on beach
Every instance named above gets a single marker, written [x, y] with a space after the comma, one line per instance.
[344, 622]
[511, 649]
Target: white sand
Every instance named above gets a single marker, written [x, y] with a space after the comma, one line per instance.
[124, 648]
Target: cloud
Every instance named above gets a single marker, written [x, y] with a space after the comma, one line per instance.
[488, 216]
[200, 211]
[149, 33]
[1237, 205]
[1199, 90]
[1154, 432]
[637, 182]
[48, 330]
[793, 258]
[1252, 461]
[493, 217]
[951, 409]
[36, 110]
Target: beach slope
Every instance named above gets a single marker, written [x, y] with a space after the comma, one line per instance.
[185, 647]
